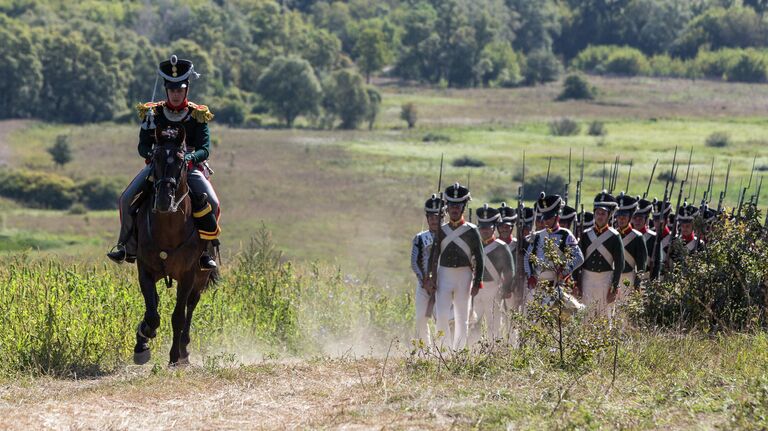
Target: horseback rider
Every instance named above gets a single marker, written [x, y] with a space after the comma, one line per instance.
[175, 111]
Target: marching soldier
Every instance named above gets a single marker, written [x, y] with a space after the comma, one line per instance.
[635, 251]
[498, 275]
[685, 216]
[508, 217]
[640, 223]
[175, 111]
[549, 206]
[529, 215]
[505, 228]
[603, 258]
[567, 217]
[661, 211]
[422, 245]
[460, 268]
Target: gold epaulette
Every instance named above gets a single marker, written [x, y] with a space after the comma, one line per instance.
[143, 108]
[201, 113]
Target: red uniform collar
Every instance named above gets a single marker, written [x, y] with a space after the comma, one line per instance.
[490, 240]
[643, 229]
[507, 240]
[182, 106]
[454, 225]
[689, 238]
[665, 232]
[600, 230]
[626, 230]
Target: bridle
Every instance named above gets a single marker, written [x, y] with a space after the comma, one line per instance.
[172, 181]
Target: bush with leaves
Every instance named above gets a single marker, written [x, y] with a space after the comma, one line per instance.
[541, 67]
[467, 161]
[346, 96]
[718, 140]
[721, 287]
[597, 128]
[61, 151]
[409, 114]
[564, 127]
[100, 193]
[39, 189]
[535, 184]
[576, 87]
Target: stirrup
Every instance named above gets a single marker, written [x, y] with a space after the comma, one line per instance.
[207, 263]
[117, 254]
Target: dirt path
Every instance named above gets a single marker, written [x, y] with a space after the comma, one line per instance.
[265, 396]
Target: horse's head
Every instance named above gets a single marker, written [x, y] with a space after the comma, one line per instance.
[169, 168]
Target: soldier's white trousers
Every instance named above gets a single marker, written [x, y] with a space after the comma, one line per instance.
[421, 298]
[454, 286]
[594, 289]
[487, 306]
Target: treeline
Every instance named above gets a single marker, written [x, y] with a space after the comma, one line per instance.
[82, 61]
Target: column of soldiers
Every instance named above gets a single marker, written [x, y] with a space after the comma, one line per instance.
[607, 252]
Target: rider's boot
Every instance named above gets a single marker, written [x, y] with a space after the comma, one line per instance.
[207, 261]
[118, 254]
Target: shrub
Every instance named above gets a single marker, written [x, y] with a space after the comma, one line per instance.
[346, 97]
[60, 151]
[628, 62]
[564, 127]
[100, 193]
[751, 67]
[467, 161]
[538, 183]
[541, 67]
[231, 112]
[576, 87]
[40, 189]
[78, 208]
[409, 114]
[718, 140]
[597, 128]
[436, 137]
[721, 287]
[593, 58]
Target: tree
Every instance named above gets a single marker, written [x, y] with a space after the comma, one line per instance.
[374, 105]
[347, 97]
[542, 67]
[409, 114]
[372, 50]
[290, 88]
[60, 151]
[20, 68]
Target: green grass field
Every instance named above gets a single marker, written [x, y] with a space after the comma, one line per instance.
[343, 207]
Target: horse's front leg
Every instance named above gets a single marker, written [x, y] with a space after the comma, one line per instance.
[179, 318]
[194, 298]
[148, 326]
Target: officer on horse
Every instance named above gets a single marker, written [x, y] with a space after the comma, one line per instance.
[157, 118]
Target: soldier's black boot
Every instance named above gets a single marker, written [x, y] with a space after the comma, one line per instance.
[119, 255]
[207, 263]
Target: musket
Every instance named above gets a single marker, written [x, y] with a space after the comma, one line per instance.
[653, 171]
[604, 172]
[695, 189]
[749, 185]
[725, 189]
[568, 184]
[579, 184]
[733, 210]
[708, 192]
[546, 181]
[434, 252]
[629, 176]
[469, 178]
[757, 195]
[520, 277]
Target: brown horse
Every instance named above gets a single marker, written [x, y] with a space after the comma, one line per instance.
[169, 248]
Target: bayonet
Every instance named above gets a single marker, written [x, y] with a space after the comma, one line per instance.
[724, 192]
[708, 192]
[603, 188]
[546, 181]
[430, 282]
[629, 176]
[653, 171]
[568, 184]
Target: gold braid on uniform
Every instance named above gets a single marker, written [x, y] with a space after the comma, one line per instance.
[201, 113]
[144, 108]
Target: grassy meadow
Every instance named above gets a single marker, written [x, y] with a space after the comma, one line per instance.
[317, 227]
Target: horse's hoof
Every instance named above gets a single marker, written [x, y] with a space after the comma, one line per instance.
[181, 363]
[142, 358]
